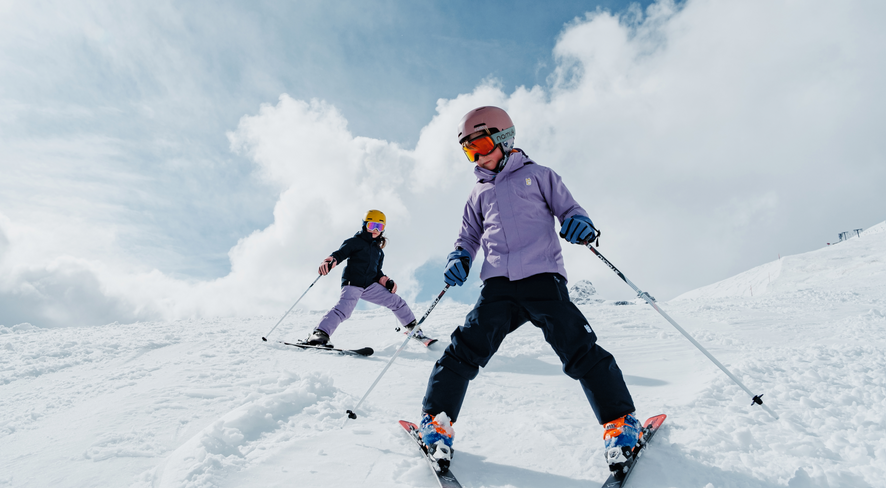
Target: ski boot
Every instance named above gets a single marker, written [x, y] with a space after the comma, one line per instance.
[318, 338]
[436, 435]
[418, 335]
[622, 439]
[408, 327]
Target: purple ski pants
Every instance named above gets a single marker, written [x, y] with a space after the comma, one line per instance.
[374, 293]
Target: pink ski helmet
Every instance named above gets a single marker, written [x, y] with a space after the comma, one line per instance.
[494, 121]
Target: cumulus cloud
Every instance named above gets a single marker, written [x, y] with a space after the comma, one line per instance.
[63, 291]
[702, 139]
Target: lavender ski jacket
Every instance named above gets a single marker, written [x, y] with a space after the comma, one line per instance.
[511, 215]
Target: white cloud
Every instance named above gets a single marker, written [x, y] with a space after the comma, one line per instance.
[703, 140]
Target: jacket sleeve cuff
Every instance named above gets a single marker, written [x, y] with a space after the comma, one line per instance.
[472, 250]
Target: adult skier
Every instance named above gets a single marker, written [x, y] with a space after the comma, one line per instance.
[361, 279]
[510, 213]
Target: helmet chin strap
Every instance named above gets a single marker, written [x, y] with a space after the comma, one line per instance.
[503, 162]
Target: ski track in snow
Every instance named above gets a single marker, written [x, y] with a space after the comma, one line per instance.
[206, 403]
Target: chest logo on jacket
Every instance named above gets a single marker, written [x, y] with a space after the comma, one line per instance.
[528, 181]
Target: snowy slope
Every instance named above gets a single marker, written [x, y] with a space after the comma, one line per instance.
[206, 403]
[846, 265]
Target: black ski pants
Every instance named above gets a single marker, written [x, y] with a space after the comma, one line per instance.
[504, 306]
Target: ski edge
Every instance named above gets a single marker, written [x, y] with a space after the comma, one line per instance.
[426, 341]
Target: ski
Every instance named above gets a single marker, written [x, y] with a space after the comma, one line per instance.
[445, 479]
[618, 479]
[365, 351]
[419, 336]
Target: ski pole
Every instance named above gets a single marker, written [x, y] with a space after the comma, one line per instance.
[642, 294]
[351, 413]
[265, 337]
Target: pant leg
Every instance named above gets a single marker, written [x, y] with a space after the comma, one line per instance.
[569, 334]
[606, 391]
[379, 295]
[473, 344]
[342, 310]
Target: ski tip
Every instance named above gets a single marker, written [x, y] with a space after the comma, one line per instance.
[408, 425]
[655, 421]
[366, 351]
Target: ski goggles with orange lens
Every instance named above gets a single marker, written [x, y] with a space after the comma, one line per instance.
[484, 145]
[480, 146]
[371, 226]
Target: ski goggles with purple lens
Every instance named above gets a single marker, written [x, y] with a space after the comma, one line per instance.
[379, 226]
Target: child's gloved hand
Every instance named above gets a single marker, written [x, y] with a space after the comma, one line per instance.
[388, 283]
[327, 265]
[578, 229]
[456, 272]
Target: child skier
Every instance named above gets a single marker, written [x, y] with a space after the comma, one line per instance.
[362, 279]
[510, 213]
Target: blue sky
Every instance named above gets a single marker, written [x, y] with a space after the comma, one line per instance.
[162, 85]
[149, 147]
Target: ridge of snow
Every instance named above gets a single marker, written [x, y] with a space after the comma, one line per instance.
[235, 440]
[876, 229]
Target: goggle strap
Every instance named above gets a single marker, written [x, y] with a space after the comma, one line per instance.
[500, 137]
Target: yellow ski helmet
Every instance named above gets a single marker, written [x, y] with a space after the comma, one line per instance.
[375, 216]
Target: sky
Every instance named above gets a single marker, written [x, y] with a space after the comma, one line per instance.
[199, 159]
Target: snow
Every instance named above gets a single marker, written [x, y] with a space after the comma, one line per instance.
[204, 402]
[583, 292]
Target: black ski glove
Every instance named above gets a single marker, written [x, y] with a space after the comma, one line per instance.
[327, 265]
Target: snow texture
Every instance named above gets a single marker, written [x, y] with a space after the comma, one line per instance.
[584, 293]
[206, 403]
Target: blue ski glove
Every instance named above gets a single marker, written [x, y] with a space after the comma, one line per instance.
[456, 272]
[578, 229]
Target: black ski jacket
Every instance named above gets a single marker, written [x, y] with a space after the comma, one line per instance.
[365, 258]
